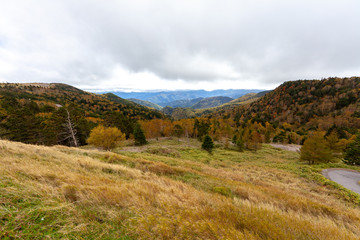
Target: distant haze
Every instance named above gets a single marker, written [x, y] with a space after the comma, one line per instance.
[165, 97]
[159, 44]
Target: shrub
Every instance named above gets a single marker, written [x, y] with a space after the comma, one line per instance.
[225, 191]
[104, 137]
[70, 193]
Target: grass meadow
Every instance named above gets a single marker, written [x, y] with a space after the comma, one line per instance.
[169, 189]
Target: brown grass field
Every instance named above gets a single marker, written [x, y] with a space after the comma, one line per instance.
[169, 189]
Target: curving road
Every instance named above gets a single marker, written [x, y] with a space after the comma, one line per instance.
[347, 178]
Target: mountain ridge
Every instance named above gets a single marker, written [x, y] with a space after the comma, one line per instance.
[162, 97]
[305, 103]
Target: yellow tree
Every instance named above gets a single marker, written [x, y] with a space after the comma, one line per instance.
[336, 146]
[104, 137]
[315, 149]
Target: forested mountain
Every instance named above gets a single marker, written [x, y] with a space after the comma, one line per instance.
[207, 106]
[248, 98]
[198, 103]
[184, 103]
[61, 114]
[309, 104]
[116, 99]
[145, 103]
[179, 113]
[46, 113]
[211, 102]
[288, 114]
[164, 97]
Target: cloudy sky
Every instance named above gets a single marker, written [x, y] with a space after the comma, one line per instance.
[178, 44]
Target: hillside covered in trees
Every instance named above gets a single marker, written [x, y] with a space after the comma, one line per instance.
[211, 102]
[305, 104]
[145, 103]
[44, 114]
[288, 114]
[61, 114]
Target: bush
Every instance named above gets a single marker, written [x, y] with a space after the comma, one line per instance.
[225, 191]
[352, 152]
[104, 137]
[70, 193]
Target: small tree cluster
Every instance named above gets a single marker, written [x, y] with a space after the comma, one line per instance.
[316, 150]
[104, 137]
[352, 152]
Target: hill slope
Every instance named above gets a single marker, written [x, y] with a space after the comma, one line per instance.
[246, 99]
[146, 103]
[306, 103]
[329, 100]
[164, 97]
[47, 113]
[211, 102]
[169, 190]
[58, 93]
[183, 103]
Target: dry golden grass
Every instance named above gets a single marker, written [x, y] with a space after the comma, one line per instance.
[60, 192]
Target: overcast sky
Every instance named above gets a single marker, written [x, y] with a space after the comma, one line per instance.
[178, 44]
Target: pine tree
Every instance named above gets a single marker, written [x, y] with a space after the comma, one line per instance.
[139, 135]
[352, 152]
[208, 144]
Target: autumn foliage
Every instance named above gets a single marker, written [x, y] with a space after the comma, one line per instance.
[104, 137]
[315, 150]
[352, 153]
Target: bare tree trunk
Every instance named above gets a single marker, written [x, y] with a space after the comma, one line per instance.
[71, 129]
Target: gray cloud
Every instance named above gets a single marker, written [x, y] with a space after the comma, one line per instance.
[208, 41]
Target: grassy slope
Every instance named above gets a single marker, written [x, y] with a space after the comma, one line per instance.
[169, 190]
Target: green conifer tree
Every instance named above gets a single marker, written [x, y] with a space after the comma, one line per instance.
[139, 135]
[207, 144]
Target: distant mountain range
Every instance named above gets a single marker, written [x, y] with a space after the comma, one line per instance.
[210, 105]
[145, 103]
[198, 103]
[163, 98]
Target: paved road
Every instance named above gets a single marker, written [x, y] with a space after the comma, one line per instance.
[347, 178]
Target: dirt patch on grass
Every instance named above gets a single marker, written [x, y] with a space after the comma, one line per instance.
[287, 147]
